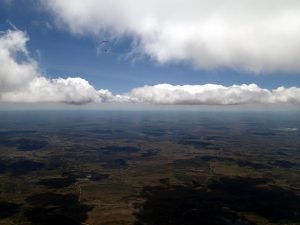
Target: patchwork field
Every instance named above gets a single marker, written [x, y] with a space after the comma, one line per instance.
[149, 168]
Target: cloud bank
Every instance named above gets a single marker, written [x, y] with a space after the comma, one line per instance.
[212, 94]
[21, 81]
[251, 35]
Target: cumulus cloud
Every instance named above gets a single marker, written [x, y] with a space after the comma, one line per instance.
[14, 73]
[21, 80]
[70, 90]
[251, 35]
[211, 94]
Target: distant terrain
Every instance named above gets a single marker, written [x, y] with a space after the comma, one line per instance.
[149, 168]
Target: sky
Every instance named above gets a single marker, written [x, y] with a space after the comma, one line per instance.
[192, 52]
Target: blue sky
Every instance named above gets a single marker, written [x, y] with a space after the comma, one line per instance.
[170, 52]
[62, 53]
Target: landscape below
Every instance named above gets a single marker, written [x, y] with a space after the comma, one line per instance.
[149, 168]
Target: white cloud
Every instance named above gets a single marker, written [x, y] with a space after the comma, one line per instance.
[212, 94]
[70, 90]
[21, 80]
[15, 73]
[251, 35]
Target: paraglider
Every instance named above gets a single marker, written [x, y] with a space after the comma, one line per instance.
[103, 47]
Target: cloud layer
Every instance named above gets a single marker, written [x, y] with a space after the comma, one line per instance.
[251, 35]
[212, 94]
[21, 81]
